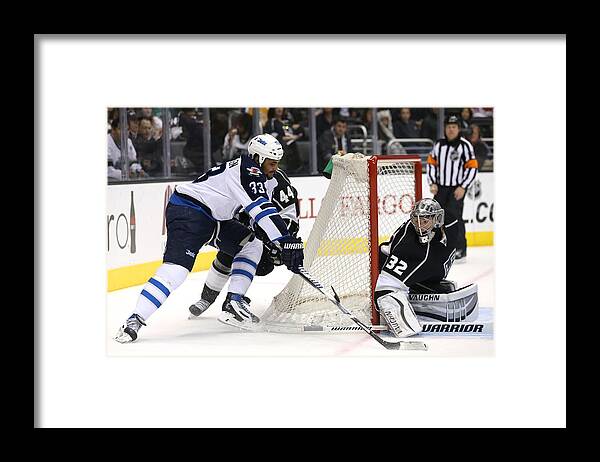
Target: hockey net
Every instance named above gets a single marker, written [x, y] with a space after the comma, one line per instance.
[367, 199]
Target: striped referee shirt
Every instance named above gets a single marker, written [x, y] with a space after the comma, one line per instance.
[452, 163]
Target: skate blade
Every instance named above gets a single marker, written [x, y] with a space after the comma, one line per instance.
[123, 338]
[231, 321]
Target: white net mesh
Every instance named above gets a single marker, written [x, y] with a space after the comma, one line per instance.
[338, 250]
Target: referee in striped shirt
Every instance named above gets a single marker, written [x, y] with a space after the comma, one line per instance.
[451, 168]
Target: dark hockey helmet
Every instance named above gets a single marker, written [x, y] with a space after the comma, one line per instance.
[426, 216]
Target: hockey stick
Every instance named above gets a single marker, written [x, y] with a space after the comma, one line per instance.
[336, 301]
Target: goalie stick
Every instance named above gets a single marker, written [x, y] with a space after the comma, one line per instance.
[399, 345]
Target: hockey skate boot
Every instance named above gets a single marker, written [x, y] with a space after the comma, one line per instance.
[208, 298]
[128, 331]
[236, 312]
[198, 308]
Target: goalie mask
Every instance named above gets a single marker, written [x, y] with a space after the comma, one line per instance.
[265, 147]
[426, 216]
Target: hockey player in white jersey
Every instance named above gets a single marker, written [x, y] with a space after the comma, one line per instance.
[201, 212]
[285, 199]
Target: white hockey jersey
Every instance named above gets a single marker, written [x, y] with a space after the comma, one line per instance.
[230, 187]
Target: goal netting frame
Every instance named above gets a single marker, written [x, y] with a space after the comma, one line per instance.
[367, 199]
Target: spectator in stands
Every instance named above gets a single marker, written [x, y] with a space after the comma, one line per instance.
[428, 123]
[114, 154]
[355, 116]
[237, 139]
[112, 114]
[324, 120]
[281, 127]
[132, 125]
[191, 125]
[367, 120]
[298, 116]
[386, 129]
[333, 141]
[219, 126]
[147, 113]
[149, 150]
[466, 116]
[406, 127]
[482, 150]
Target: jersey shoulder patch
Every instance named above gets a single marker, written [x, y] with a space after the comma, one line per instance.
[254, 171]
[249, 168]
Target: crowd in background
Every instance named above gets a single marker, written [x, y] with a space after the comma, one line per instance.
[232, 128]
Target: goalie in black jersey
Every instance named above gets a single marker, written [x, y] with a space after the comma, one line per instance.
[417, 259]
[285, 199]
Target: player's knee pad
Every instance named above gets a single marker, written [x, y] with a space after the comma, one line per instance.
[398, 314]
[171, 275]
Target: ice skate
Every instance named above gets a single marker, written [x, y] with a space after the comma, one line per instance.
[236, 312]
[128, 331]
[198, 308]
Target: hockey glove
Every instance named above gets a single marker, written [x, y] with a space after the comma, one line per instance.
[266, 263]
[292, 252]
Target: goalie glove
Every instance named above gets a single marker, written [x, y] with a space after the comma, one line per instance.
[292, 252]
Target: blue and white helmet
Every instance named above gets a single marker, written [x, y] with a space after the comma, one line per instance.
[265, 146]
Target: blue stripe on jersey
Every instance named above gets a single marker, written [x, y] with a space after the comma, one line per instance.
[243, 273]
[162, 288]
[245, 260]
[265, 213]
[258, 201]
[151, 297]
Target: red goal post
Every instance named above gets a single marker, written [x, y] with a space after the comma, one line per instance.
[374, 201]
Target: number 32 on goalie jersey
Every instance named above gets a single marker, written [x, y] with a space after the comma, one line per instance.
[396, 266]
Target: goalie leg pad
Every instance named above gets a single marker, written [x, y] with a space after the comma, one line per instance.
[456, 306]
[398, 314]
